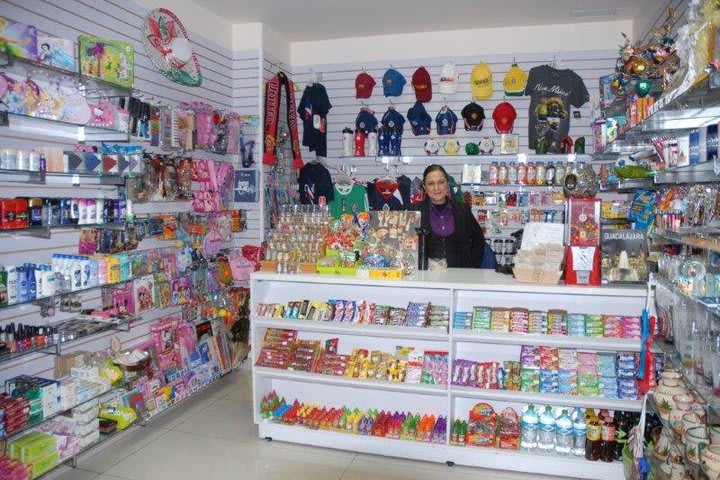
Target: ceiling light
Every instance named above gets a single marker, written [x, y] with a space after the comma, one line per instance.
[601, 12]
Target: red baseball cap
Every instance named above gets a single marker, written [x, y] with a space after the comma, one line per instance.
[422, 85]
[364, 85]
[504, 116]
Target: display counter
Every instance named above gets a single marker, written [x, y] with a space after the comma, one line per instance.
[454, 291]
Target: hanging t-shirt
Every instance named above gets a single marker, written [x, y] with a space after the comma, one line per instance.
[313, 109]
[405, 188]
[314, 181]
[552, 92]
[385, 192]
[349, 199]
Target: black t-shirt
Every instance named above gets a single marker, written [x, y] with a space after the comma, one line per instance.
[314, 181]
[552, 92]
[314, 101]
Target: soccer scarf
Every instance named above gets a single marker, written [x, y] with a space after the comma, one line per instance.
[272, 114]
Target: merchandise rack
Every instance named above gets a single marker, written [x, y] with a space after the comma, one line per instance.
[458, 290]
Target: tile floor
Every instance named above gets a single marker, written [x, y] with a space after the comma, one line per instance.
[211, 437]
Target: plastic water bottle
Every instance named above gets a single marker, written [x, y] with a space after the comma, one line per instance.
[546, 434]
[579, 432]
[564, 439]
[529, 423]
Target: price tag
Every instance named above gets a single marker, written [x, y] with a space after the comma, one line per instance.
[76, 180]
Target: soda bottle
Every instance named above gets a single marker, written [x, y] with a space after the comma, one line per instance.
[608, 440]
[546, 434]
[529, 425]
[622, 430]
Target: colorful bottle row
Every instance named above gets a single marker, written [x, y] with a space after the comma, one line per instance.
[66, 273]
[24, 212]
[531, 173]
[398, 425]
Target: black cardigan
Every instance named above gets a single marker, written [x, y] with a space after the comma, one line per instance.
[466, 246]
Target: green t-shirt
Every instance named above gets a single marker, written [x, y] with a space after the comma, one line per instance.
[349, 199]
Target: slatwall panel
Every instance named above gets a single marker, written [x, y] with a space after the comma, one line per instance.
[339, 80]
[114, 19]
[246, 101]
[659, 20]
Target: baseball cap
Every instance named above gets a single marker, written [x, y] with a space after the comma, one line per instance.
[504, 116]
[473, 116]
[419, 119]
[393, 83]
[365, 121]
[448, 79]
[393, 119]
[422, 85]
[364, 85]
[446, 121]
[481, 81]
[515, 81]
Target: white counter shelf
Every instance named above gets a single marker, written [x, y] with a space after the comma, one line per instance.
[458, 290]
[558, 399]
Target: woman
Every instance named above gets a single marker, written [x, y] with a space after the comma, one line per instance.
[455, 235]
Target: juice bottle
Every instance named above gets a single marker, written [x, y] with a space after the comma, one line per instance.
[531, 174]
[502, 173]
[493, 177]
[522, 178]
[512, 174]
[540, 173]
[594, 438]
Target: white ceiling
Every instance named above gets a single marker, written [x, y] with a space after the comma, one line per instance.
[303, 20]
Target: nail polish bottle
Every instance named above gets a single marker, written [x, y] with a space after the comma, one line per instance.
[19, 344]
[10, 337]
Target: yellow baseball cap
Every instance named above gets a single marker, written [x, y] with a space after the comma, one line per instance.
[515, 81]
[481, 81]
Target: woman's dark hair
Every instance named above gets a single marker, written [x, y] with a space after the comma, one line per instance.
[435, 168]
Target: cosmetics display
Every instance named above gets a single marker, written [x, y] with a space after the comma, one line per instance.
[422, 315]
[18, 213]
[397, 425]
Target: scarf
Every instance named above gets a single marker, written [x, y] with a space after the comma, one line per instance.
[272, 114]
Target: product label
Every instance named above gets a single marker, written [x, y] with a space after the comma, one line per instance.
[607, 432]
[594, 432]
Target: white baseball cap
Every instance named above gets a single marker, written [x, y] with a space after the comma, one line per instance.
[448, 79]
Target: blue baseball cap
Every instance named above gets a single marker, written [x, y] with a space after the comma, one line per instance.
[393, 83]
[365, 121]
[393, 120]
[420, 120]
[446, 121]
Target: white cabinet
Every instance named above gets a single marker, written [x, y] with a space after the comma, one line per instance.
[459, 290]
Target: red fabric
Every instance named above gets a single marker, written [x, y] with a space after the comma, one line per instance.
[272, 114]
[386, 189]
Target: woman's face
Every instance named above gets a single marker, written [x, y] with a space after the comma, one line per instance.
[436, 187]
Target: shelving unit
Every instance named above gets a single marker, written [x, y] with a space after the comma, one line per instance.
[88, 87]
[67, 178]
[459, 290]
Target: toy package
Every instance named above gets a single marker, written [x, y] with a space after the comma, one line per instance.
[110, 60]
[162, 294]
[181, 290]
[144, 293]
[482, 426]
[18, 39]
[57, 52]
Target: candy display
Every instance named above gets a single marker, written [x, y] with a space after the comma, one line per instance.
[554, 370]
[282, 349]
[552, 322]
[361, 312]
[401, 426]
[298, 237]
